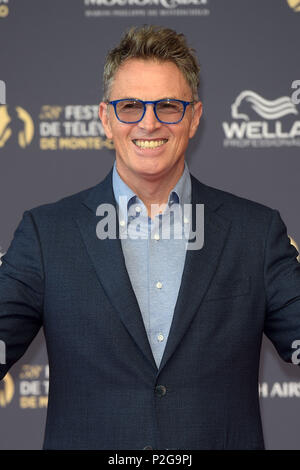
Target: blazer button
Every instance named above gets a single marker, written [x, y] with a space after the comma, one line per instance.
[160, 390]
[147, 448]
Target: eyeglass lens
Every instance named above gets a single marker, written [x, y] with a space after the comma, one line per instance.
[168, 111]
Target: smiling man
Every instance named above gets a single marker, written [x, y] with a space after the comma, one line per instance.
[151, 345]
[150, 152]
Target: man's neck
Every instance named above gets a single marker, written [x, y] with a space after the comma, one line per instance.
[153, 190]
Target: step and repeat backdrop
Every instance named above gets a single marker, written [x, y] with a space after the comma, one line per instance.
[52, 143]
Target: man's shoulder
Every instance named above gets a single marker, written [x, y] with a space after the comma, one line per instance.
[63, 206]
[231, 205]
[67, 206]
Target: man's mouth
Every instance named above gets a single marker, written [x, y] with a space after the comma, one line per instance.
[149, 144]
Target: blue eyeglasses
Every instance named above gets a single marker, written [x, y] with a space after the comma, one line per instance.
[167, 111]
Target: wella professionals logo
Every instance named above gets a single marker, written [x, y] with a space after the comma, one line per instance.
[294, 4]
[248, 100]
[260, 122]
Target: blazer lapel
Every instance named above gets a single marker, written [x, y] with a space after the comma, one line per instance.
[108, 260]
[199, 269]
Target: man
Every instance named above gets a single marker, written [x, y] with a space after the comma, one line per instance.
[151, 345]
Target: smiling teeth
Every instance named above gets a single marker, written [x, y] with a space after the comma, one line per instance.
[149, 143]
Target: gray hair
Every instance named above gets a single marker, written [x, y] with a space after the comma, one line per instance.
[156, 43]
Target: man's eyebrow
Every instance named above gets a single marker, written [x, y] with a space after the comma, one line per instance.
[163, 98]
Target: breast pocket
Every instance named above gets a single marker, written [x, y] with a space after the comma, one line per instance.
[223, 288]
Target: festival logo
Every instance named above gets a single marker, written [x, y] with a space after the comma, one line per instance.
[296, 246]
[15, 125]
[4, 8]
[294, 4]
[69, 127]
[33, 386]
[7, 390]
[72, 127]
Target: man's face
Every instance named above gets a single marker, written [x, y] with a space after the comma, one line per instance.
[149, 80]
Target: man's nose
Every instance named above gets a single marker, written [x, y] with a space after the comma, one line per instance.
[149, 121]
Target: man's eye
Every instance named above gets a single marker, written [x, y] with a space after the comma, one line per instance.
[169, 107]
[130, 106]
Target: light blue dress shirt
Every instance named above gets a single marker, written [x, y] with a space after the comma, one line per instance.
[154, 262]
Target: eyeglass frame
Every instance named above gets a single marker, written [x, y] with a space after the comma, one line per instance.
[185, 104]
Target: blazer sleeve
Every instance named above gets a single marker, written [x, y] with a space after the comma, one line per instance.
[282, 285]
[21, 292]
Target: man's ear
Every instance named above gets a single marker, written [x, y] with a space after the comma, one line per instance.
[197, 113]
[104, 116]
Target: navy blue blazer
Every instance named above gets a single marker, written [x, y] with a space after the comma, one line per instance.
[105, 389]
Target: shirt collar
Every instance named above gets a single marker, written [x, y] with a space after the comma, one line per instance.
[180, 194]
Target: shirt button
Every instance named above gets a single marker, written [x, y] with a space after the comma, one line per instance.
[159, 285]
[148, 448]
[160, 337]
[122, 223]
[156, 236]
[160, 390]
[138, 209]
[186, 220]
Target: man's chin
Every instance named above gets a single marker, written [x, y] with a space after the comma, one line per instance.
[146, 168]
[150, 169]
